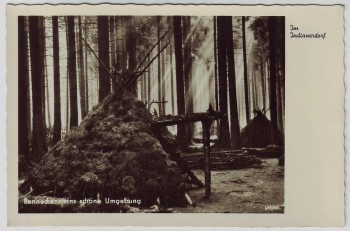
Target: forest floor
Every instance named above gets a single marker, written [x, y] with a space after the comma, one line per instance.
[250, 190]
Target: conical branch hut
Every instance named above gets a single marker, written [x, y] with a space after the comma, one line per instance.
[113, 153]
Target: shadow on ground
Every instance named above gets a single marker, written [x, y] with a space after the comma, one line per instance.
[251, 190]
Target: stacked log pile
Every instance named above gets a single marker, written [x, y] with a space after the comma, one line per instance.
[270, 151]
[223, 160]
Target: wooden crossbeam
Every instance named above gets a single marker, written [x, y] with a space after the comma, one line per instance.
[206, 118]
[169, 120]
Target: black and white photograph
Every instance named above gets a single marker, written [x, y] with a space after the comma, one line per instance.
[151, 114]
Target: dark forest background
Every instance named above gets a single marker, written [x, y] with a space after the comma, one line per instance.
[183, 63]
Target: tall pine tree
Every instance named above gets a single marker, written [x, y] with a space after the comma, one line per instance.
[234, 129]
[37, 73]
[224, 134]
[57, 126]
[23, 86]
[72, 73]
[181, 129]
[272, 58]
[103, 53]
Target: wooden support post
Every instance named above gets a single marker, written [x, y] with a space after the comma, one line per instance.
[206, 119]
[206, 148]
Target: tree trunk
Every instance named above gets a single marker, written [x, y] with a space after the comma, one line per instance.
[263, 87]
[144, 89]
[37, 73]
[142, 85]
[246, 96]
[163, 81]
[159, 70]
[282, 80]
[188, 73]
[181, 129]
[172, 79]
[81, 73]
[113, 45]
[116, 41]
[224, 134]
[253, 87]
[279, 103]
[29, 114]
[256, 93]
[86, 70]
[47, 93]
[131, 49]
[267, 83]
[121, 60]
[170, 58]
[216, 93]
[235, 130]
[216, 66]
[67, 74]
[72, 74]
[23, 86]
[46, 103]
[149, 82]
[42, 54]
[103, 53]
[57, 126]
[211, 85]
[278, 75]
[273, 109]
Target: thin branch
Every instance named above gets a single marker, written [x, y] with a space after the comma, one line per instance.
[149, 52]
[145, 68]
[137, 74]
[104, 66]
[149, 107]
